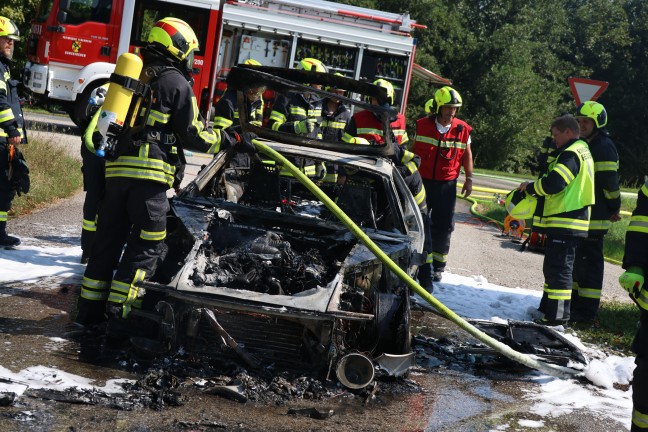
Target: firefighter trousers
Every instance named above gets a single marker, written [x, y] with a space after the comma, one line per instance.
[441, 200]
[7, 191]
[558, 267]
[133, 214]
[588, 279]
[414, 183]
[94, 174]
[640, 377]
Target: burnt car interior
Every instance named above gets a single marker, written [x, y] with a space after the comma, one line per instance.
[255, 259]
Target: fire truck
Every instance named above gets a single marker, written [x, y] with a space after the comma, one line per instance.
[74, 44]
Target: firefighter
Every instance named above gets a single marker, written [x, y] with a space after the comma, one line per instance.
[227, 114]
[565, 193]
[94, 173]
[147, 164]
[443, 144]
[370, 127]
[635, 261]
[12, 127]
[300, 113]
[365, 125]
[335, 115]
[589, 264]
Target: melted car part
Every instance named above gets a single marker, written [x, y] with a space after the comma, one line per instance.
[524, 337]
[265, 262]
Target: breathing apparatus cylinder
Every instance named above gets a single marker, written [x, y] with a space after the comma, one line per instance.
[116, 109]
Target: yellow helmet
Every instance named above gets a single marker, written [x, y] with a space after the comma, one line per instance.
[330, 88]
[594, 111]
[520, 205]
[252, 62]
[444, 96]
[387, 86]
[176, 37]
[311, 64]
[9, 29]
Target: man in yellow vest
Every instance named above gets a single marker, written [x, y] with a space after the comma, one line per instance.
[565, 193]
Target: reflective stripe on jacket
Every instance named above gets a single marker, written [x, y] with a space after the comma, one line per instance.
[565, 192]
[227, 111]
[289, 110]
[441, 155]
[12, 122]
[606, 183]
[636, 241]
[365, 124]
[333, 124]
[174, 118]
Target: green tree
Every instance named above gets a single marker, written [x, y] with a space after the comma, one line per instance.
[21, 12]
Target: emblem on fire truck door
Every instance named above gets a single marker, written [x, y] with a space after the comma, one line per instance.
[76, 46]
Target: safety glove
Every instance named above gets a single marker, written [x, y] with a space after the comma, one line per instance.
[320, 171]
[632, 280]
[256, 123]
[245, 144]
[306, 126]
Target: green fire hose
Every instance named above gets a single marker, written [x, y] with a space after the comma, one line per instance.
[558, 371]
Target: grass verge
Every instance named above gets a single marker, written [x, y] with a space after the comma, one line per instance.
[53, 174]
[616, 327]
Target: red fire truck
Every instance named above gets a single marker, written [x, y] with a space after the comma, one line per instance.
[74, 44]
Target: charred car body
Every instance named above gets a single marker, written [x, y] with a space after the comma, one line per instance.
[258, 267]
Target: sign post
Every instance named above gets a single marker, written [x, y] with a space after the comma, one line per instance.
[585, 89]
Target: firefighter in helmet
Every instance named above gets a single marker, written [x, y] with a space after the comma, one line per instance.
[12, 128]
[635, 261]
[335, 114]
[227, 114]
[364, 126]
[371, 127]
[94, 173]
[589, 264]
[443, 143]
[300, 113]
[146, 165]
[565, 193]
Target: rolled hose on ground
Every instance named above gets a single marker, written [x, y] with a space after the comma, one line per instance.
[554, 370]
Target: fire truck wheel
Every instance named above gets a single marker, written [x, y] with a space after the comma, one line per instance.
[80, 111]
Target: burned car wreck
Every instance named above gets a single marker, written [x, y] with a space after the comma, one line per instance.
[260, 269]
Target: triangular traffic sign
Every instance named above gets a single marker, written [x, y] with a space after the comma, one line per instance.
[585, 89]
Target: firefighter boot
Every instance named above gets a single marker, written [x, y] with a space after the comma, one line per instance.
[90, 313]
[437, 275]
[425, 278]
[6, 240]
[117, 332]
